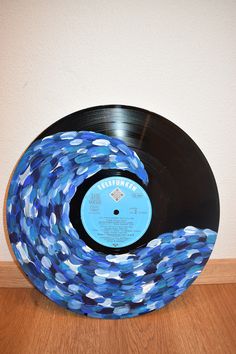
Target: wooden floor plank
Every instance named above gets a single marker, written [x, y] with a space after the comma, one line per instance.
[203, 320]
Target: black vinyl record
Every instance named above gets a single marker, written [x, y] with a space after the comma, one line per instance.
[118, 153]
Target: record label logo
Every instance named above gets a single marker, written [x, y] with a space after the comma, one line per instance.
[117, 194]
[116, 217]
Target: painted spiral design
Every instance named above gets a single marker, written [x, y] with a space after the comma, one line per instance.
[57, 260]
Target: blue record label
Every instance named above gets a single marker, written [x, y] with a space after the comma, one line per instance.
[116, 212]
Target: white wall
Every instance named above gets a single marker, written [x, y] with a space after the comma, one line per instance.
[176, 58]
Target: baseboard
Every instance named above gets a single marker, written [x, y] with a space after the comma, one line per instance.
[217, 271]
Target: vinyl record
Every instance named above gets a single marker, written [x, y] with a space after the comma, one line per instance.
[112, 211]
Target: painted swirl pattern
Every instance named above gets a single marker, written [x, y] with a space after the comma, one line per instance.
[57, 260]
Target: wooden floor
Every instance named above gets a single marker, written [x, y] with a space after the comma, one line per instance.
[203, 320]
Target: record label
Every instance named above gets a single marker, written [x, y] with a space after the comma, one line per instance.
[116, 212]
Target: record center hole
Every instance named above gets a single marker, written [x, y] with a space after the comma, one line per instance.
[116, 212]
